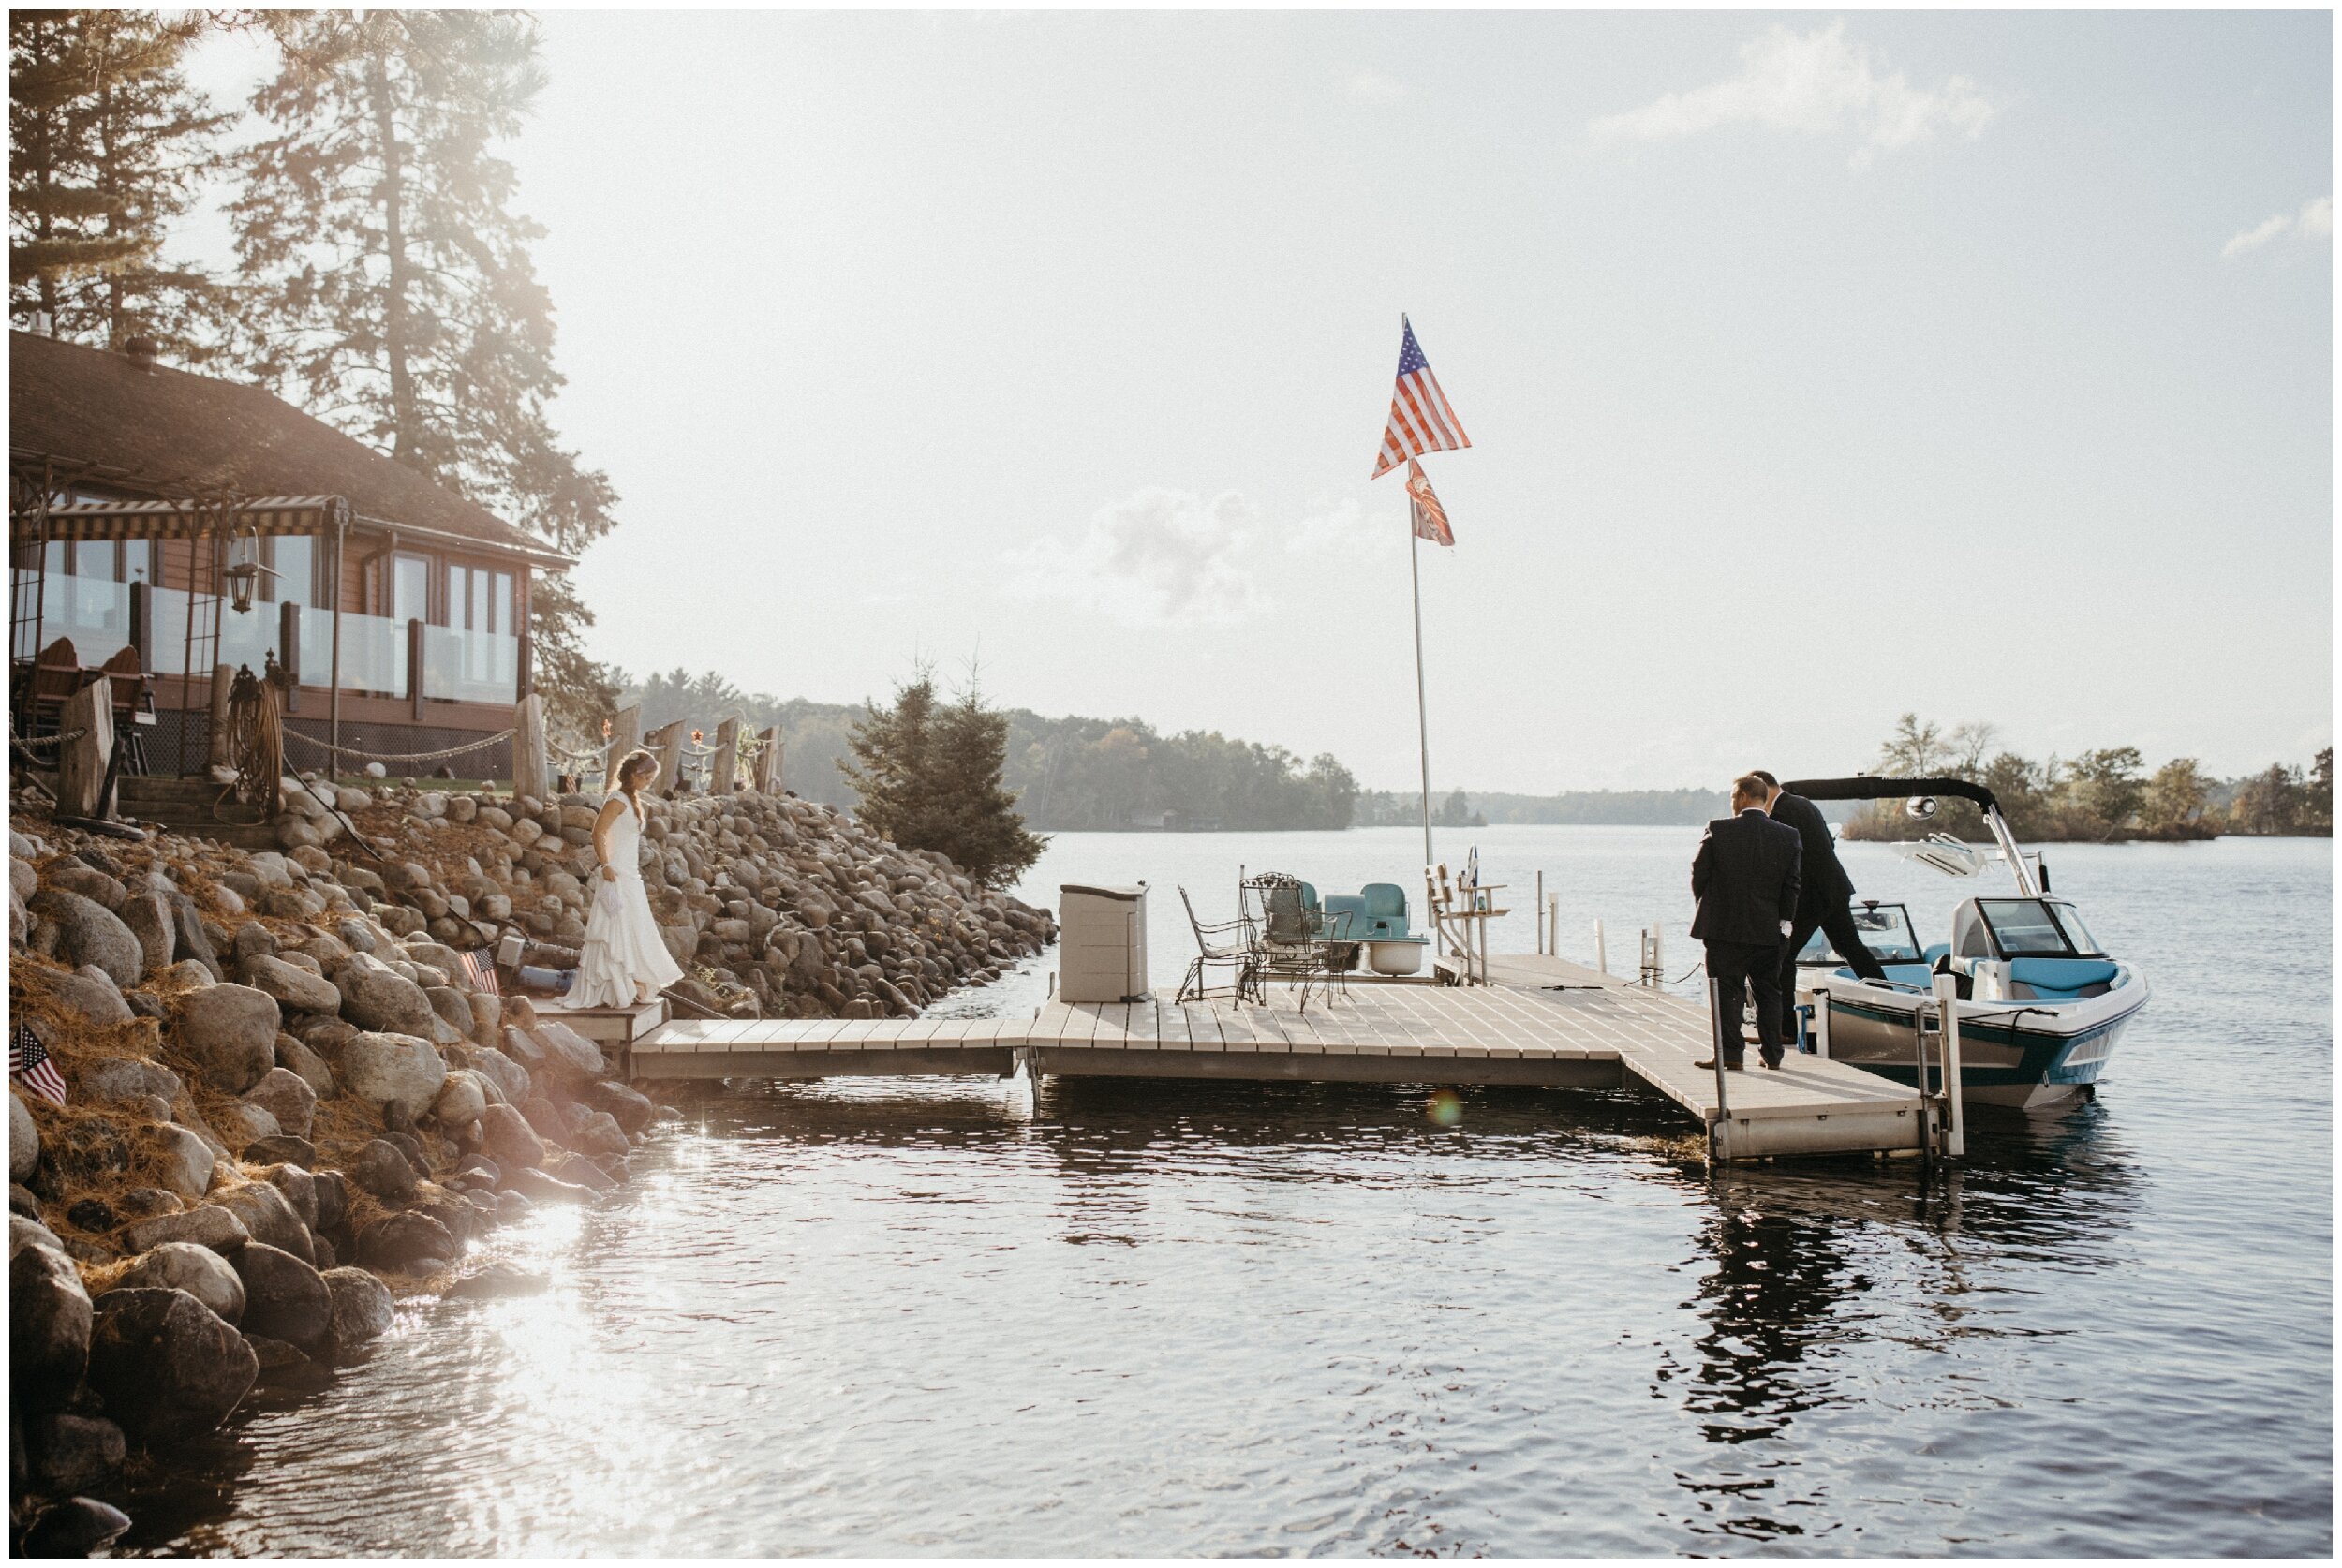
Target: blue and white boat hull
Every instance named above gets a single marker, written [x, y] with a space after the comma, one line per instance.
[2018, 1054]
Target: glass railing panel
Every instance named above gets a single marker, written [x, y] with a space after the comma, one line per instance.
[246, 639]
[92, 611]
[470, 666]
[374, 654]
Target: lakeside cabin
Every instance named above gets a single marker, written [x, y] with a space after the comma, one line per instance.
[166, 525]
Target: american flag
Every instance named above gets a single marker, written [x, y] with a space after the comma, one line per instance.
[1431, 518]
[481, 963]
[29, 1065]
[1420, 419]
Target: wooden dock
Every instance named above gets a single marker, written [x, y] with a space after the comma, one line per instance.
[1542, 1021]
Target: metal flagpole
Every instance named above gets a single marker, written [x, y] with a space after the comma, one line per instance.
[1422, 724]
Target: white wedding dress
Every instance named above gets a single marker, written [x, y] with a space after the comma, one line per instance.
[622, 948]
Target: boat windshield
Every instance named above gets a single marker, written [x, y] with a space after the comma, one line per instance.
[1886, 930]
[2028, 927]
[2076, 932]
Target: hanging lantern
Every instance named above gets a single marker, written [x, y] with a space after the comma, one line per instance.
[242, 571]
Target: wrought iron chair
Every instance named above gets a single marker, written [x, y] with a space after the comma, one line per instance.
[1212, 947]
[1294, 945]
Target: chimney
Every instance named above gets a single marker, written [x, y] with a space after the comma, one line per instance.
[44, 324]
[142, 351]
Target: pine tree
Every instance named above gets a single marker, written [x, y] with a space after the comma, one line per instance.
[394, 292]
[929, 778]
[108, 144]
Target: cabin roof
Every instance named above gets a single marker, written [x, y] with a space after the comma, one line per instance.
[106, 419]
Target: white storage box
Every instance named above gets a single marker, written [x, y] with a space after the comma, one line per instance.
[1102, 943]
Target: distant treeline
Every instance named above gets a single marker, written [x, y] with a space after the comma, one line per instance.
[2096, 797]
[1602, 808]
[1068, 774]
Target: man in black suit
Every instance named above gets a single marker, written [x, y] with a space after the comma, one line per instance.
[1745, 878]
[1823, 889]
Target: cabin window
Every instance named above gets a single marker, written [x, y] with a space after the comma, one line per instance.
[410, 589]
[479, 599]
[293, 558]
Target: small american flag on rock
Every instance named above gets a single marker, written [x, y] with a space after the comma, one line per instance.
[481, 963]
[29, 1065]
[1420, 419]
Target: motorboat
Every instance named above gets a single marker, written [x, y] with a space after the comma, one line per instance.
[2041, 1003]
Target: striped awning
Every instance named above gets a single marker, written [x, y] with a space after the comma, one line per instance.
[103, 520]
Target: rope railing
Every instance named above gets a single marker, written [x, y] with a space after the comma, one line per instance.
[51, 740]
[386, 756]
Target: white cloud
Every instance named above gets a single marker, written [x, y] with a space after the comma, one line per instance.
[1372, 87]
[2315, 221]
[1159, 558]
[1816, 84]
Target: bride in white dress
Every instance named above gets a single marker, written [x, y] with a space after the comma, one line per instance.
[623, 961]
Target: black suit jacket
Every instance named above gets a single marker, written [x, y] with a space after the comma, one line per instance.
[1746, 880]
[1823, 886]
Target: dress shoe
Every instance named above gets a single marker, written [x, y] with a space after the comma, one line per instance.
[1773, 1064]
[1709, 1066]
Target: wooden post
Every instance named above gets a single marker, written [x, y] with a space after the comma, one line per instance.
[626, 733]
[223, 683]
[726, 761]
[142, 625]
[288, 651]
[414, 668]
[666, 744]
[82, 762]
[768, 761]
[529, 775]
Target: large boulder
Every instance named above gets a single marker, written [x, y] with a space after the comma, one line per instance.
[511, 1079]
[575, 1059]
[78, 877]
[390, 1069]
[633, 1111]
[384, 1171]
[297, 1055]
[405, 1242]
[49, 1327]
[599, 1134]
[73, 1453]
[152, 921]
[453, 1007]
[285, 1299]
[90, 933]
[269, 1218]
[209, 1226]
[333, 1198]
[181, 1265]
[376, 998]
[462, 1098]
[229, 1034]
[91, 992]
[506, 1137]
[364, 1308]
[183, 1162]
[167, 1366]
[24, 1140]
[241, 1124]
[299, 1187]
[77, 1527]
[288, 1097]
[118, 1078]
[296, 989]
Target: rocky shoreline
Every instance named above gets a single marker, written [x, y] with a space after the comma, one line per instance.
[289, 1106]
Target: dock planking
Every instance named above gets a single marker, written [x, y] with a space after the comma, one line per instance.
[1542, 1021]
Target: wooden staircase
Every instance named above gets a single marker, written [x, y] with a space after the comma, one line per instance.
[186, 805]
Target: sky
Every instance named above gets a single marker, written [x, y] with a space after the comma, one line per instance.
[1817, 367]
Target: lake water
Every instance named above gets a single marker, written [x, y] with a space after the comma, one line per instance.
[956, 1316]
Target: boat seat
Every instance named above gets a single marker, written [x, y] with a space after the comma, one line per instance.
[2061, 979]
[1346, 914]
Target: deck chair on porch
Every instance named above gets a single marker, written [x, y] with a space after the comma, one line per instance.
[133, 695]
[1213, 946]
[55, 677]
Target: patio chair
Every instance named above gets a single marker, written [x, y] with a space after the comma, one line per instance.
[1294, 947]
[1212, 946]
[133, 696]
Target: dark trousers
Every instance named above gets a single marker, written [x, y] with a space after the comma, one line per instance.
[1755, 966]
[1838, 925]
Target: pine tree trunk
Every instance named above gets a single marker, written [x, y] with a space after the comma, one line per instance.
[404, 423]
